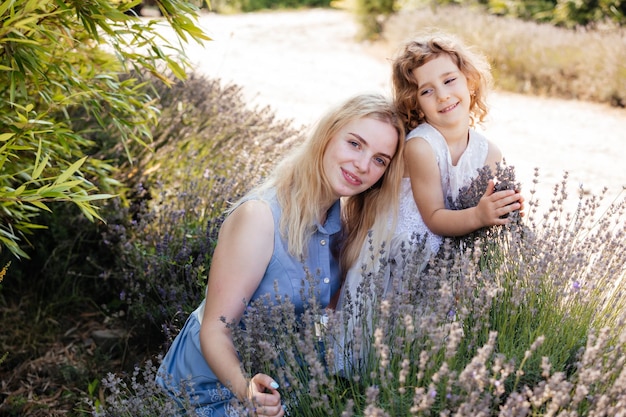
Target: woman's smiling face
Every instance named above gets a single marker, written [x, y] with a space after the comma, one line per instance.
[358, 155]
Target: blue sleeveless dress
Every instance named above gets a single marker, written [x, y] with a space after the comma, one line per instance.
[184, 359]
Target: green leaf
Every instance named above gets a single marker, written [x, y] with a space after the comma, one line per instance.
[6, 136]
[4, 6]
[13, 247]
[19, 190]
[39, 165]
[92, 197]
[40, 205]
[177, 70]
[70, 171]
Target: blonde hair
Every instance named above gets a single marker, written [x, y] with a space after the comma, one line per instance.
[301, 183]
[422, 49]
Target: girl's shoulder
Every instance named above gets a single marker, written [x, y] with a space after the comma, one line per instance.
[477, 136]
[432, 139]
[425, 131]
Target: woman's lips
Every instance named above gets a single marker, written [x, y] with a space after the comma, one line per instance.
[351, 178]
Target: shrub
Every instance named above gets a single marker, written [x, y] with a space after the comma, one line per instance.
[139, 397]
[372, 15]
[209, 149]
[254, 5]
[53, 61]
[567, 13]
[526, 321]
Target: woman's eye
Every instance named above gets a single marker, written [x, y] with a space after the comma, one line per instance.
[354, 143]
[381, 161]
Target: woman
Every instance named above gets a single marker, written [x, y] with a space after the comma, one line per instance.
[291, 224]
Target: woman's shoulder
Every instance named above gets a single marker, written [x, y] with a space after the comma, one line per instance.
[257, 199]
[250, 213]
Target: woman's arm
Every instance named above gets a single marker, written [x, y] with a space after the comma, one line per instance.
[244, 248]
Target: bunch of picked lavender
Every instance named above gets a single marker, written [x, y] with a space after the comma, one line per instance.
[470, 195]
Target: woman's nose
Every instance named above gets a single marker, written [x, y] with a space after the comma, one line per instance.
[362, 163]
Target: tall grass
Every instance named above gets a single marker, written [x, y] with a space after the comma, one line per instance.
[524, 320]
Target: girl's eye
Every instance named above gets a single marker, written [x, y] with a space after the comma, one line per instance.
[354, 143]
[449, 80]
[380, 161]
[425, 92]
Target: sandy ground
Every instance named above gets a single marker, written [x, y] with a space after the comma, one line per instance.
[302, 62]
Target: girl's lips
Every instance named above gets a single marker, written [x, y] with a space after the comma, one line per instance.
[447, 109]
[351, 178]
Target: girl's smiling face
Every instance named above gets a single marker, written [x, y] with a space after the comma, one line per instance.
[443, 92]
[358, 155]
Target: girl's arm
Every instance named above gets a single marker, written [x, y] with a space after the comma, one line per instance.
[244, 248]
[494, 156]
[426, 185]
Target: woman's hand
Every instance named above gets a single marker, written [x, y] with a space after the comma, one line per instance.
[263, 395]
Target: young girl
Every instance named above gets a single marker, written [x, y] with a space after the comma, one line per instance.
[289, 225]
[439, 88]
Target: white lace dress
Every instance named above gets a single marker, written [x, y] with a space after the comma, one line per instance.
[410, 232]
[410, 228]
[454, 177]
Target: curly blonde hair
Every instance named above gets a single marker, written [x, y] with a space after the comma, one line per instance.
[424, 48]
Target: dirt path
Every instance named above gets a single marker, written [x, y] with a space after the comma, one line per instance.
[301, 62]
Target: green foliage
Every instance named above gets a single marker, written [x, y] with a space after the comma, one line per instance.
[237, 6]
[566, 13]
[58, 56]
[372, 15]
[572, 13]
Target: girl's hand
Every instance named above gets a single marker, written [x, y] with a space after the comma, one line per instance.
[263, 395]
[494, 207]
